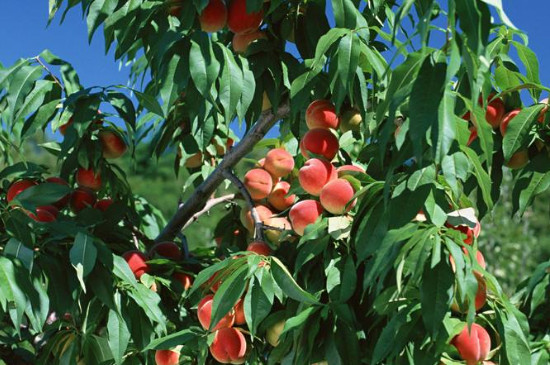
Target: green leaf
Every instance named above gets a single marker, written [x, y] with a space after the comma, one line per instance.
[257, 304]
[483, 178]
[284, 279]
[20, 84]
[149, 103]
[97, 13]
[518, 130]
[42, 194]
[497, 4]
[455, 167]
[18, 250]
[203, 65]
[119, 336]
[12, 298]
[348, 57]
[231, 84]
[34, 99]
[172, 340]
[83, 256]
[436, 294]
[227, 295]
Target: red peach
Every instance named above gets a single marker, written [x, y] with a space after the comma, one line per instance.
[506, 120]
[474, 345]
[260, 248]
[229, 346]
[518, 160]
[18, 187]
[87, 178]
[279, 198]
[45, 214]
[278, 162]
[320, 142]
[343, 168]
[137, 261]
[184, 279]
[239, 20]
[204, 312]
[336, 195]
[246, 216]
[473, 136]
[61, 203]
[321, 114]
[495, 111]
[242, 41]
[469, 232]
[113, 146]
[303, 214]
[213, 16]
[239, 312]
[274, 235]
[82, 198]
[315, 174]
[480, 298]
[168, 250]
[103, 204]
[167, 357]
[259, 183]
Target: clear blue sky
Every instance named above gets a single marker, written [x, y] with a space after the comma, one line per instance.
[24, 34]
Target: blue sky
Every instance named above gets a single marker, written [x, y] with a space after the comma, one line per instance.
[24, 34]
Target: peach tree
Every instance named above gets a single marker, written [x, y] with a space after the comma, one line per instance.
[350, 238]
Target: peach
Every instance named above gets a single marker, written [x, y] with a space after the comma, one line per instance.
[241, 41]
[303, 214]
[321, 114]
[473, 136]
[213, 16]
[87, 178]
[174, 7]
[479, 258]
[112, 144]
[137, 261]
[350, 121]
[239, 312]
[194, 161]
[82, 198]
[469, 232]
[480, 298]
[343, 168]
[315, 174]
[506, 120]
[45, 214]
[168, 250]
[260, 248]
[103, 204]
[259, 183]
[167, 357]
[336, 195]
[246, 216]
[184, 279]
[273, 334]
[495, 111]
[540, 119]
[229, 346]
[474, 345]
[278, 162]
[279, 198]
[61, 203]
[274, 235]
[204, 312]
[239, 20]
[18, 187]
[518, 160]
[320, 142]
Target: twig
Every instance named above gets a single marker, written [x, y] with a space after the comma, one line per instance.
[55, 79]
[258, 224]
[203, 192]
[209, 205]
[137, 234]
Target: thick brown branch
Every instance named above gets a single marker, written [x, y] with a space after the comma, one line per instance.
[209, 205]
[203, 192]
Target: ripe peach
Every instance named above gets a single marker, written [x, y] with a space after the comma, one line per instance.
[278, 197]
[246, 216]
[315, 174]
[168, 250]
[321, 114]
[241, 41]
[17, 187]
[87, 178]
[474, 345]
[229, 346]
[214, 16]
[278, 162]
[103, 204]
[336, 195]
[239, 20]
[274, 235]
[518, 160]
[479, 258]
[61, 203]
[82, 198]
[137, 261]
[184, 279]
[303, 214]
[239, 312]
[167, 357]
[259, 183]
[340, 169]
[45, 214]
[112, 145]
[204, 312]
[319, 142]
[350, 121]
[273, 334]
[194, 161]
[473, 135]
[480, 298]
[469, 232]
[259, 247]
[495, 111]
[507, 118]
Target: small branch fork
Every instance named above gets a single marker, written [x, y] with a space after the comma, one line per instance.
[209, 205]
[55, 79]
[201, 195]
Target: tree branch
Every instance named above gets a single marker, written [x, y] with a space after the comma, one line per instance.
[55, 79]
[201, 195]
[209, 205]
